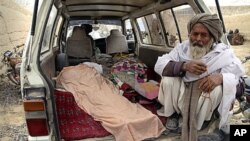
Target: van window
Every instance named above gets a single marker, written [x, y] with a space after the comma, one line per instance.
[58, 27]
[182, 14]
[170, 27]
[48, 29]
[101, 28]
[211, 5]
[129, 31]
[150, 31]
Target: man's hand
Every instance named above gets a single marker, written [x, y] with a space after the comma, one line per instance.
[195, 67]
[207, 84]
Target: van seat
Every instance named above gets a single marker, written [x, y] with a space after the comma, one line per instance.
[116, 42]
[79, 47]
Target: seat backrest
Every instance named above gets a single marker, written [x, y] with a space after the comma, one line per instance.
[79, 44]
[88, 28]
[116, 42]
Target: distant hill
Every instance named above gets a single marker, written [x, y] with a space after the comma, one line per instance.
[236, 17]
[233, 10]
[239, 21]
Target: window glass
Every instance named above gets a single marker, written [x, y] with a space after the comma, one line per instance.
[144, 33]
[58, 27]
[150, 31]
[210, 4]
[48, 30]
[101, 28]
[170, 27]
[183, 14]
[128, 29]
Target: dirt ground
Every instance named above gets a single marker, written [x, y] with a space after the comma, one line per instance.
[12, 123]
[241, 52]
[14, 26]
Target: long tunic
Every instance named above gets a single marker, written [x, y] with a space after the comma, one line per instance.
[220, 60]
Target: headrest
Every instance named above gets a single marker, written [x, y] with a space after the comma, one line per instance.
[78, 33]
[115, 32]
[116, 42]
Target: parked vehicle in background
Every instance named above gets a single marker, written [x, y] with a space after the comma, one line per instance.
[151, 27]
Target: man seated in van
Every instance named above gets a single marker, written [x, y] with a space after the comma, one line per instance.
[199, 76]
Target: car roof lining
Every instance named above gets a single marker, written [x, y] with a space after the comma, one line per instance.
[102, 8]
[117, 8]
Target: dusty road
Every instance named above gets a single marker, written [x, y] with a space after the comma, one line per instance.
[12, 124]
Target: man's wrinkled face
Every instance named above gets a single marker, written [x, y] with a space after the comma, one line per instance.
[200, 41]
[199, 35]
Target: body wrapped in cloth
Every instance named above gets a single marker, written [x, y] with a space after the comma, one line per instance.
[99, 98]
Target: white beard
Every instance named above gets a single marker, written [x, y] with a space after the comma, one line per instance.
[197, 52]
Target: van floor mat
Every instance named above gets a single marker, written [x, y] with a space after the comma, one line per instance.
[74, 123]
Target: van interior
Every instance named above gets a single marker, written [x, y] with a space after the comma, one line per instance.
[115, 37]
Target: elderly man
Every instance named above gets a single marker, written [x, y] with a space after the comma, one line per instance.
[198, 76]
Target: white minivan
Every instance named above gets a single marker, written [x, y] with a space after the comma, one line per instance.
[59, 38]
